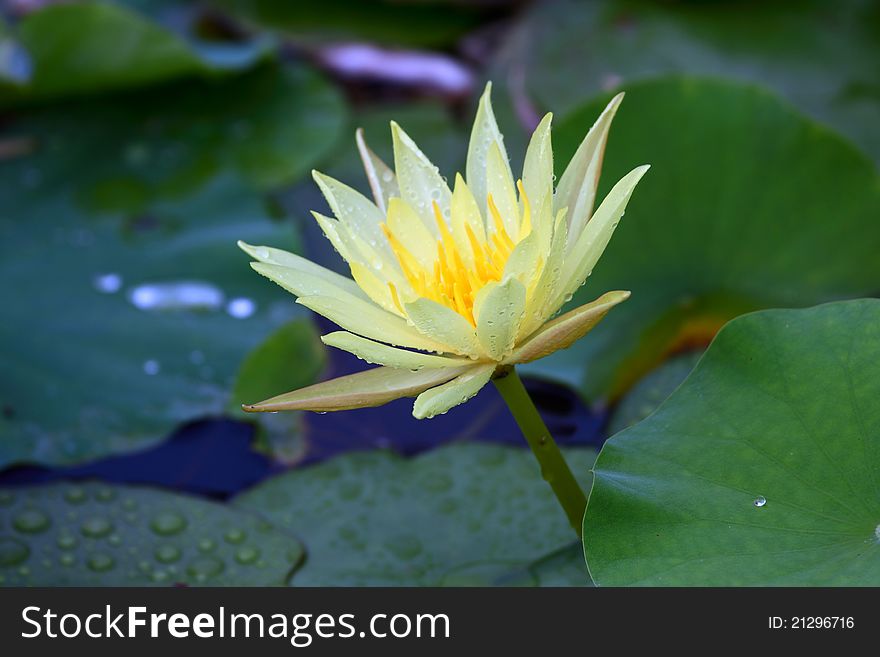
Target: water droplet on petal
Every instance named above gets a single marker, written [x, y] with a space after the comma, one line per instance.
[760, 501]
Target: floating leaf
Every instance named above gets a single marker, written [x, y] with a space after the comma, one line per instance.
[730, 219]
[761, 469]
[100, 535]
[464, 514]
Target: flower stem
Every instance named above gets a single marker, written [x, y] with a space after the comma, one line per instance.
[554, 469]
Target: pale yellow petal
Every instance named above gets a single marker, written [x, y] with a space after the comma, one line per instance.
[592, 241]
[438, 400]
[563, 331]
[411, 232]
[272, 256]
[538, 167]
[499, 310]
[420, 182]
[484, 135]
[577, 186]
[541, 298]
[382, 354]
[371, 388]
[500, 186]
[443, 325]
[354, 210]
[375, 288]
[366, 319]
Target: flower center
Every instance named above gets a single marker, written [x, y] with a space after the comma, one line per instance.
[447, 280]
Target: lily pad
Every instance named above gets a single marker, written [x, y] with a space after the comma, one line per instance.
[761, 469]
[730, 219]
[132, 307]
[465, 514]
[820, 56]
[112, 47]
[100, 535]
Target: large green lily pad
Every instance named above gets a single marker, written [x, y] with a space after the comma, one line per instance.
[820, 56]
[132, 307]
[763, 468]
[99, 535]
[465, 514]
[748, 205]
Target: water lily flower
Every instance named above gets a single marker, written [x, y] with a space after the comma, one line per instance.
[452, 287]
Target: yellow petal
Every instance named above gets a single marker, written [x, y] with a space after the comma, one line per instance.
[271, 256]
[371, 388]
[500, 186]
[352, 209]
[538, 167]
[383, 182]
[499, 309]
[541, 299]
[381, 354]
[484, 135]
[577, 186]
[563, 331]
[443, 325]
[332, 229]
[436, 401]
[370, 321]
[420, 182]
[411, 232]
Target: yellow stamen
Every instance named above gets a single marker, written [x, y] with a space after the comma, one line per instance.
[447, 280]
[394, 297]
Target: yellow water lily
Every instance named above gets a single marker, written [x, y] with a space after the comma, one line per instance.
[451, 287]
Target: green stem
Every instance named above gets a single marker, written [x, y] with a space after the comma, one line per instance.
[554, 469]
